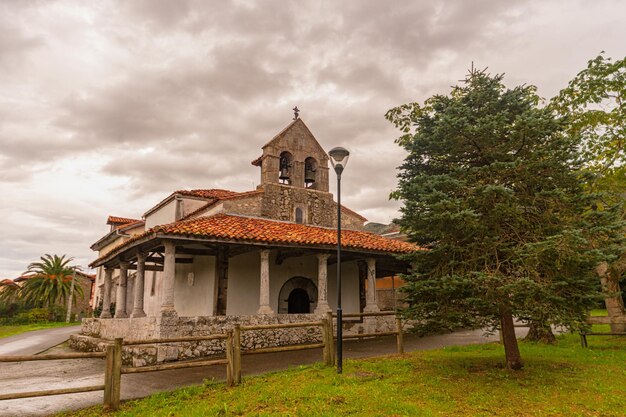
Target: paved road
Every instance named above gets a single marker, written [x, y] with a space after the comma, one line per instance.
[29, 376]
[31, 343]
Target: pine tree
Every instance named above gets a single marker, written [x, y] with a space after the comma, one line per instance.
[492, 191]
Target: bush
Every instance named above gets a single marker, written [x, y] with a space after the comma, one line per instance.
[57, 313]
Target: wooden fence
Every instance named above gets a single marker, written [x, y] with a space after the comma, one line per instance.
[397, 332]
[65, 356]
[114, 368]
[601, 320]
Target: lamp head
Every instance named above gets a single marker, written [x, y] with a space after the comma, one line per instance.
[339, 158]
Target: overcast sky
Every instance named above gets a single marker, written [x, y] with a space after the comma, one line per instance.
[106, 107]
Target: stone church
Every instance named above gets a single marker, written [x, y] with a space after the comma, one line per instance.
[200, 260]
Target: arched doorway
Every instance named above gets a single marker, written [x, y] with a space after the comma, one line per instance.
[298, 302]
[298, 295]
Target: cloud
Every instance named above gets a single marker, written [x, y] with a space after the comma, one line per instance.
[108, 107]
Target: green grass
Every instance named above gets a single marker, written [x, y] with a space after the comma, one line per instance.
[6, 331]
[561, 380]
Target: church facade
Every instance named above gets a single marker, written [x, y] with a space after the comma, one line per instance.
[201, 259]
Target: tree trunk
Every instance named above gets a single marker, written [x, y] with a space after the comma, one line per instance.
[539, 332]
[609, 278]
[511, 350]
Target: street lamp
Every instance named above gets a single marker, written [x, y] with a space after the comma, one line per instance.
[339, 158]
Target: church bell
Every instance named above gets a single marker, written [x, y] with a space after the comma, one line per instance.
[309, 174]
[284, 169]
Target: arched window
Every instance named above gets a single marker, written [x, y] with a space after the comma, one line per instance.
[285, 164]
[299, 215]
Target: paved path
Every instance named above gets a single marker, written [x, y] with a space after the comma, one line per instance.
[36, 341]
[29, 376]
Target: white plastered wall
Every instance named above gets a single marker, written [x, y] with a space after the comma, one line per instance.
[152, 301]
[193, 294]
[164, 215]
[244, 287]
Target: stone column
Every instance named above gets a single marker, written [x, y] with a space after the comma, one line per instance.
[106, 297]
[130, 297]
[169, 275]
[264, 298]
[139, 286]
[371, 302]
[322, 284]
[120, 303]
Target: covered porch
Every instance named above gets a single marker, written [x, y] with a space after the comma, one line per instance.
[200, 277]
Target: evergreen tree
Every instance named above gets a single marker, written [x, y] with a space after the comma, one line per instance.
[491, 190]
[594, 107]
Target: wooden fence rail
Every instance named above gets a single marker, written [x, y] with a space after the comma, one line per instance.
[64, 356]
[114, 369]
[397, 332]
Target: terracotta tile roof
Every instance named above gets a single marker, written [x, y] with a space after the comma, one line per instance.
[120, 220]
[130, 225]
[210, 193]
[7, 281]
[239, 229]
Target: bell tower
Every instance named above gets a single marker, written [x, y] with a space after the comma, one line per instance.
[294, 180]
[294, 158]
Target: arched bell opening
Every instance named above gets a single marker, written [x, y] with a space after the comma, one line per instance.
[297, 296]
[285, 167]
[310, 172]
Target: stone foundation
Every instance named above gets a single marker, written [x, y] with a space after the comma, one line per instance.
[97, 333]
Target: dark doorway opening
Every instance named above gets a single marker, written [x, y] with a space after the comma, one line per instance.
[299, 302]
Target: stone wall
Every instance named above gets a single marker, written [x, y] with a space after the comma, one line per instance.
[248, 206]
[385, 298]
[97, 333]
[279, 202]
[81, 307]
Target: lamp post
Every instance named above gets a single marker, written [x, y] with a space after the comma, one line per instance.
[339, 158]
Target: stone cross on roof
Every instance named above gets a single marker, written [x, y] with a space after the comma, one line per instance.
[296, 113]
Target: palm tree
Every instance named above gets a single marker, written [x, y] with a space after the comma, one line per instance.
[50, 281]
[9, 292]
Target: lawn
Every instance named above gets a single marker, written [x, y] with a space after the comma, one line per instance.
[561, 380]
[6, 331]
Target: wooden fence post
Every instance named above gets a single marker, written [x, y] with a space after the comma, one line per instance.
[116, 374]
[326, 342]
[237, 354]
[400, 338]
[108, 375]
[229, 357]
[331, 344]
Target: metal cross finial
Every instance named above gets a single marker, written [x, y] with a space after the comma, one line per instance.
[296, 113]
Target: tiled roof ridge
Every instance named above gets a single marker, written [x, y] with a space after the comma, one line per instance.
[121, 220]
[128, 225]
[198, 192]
